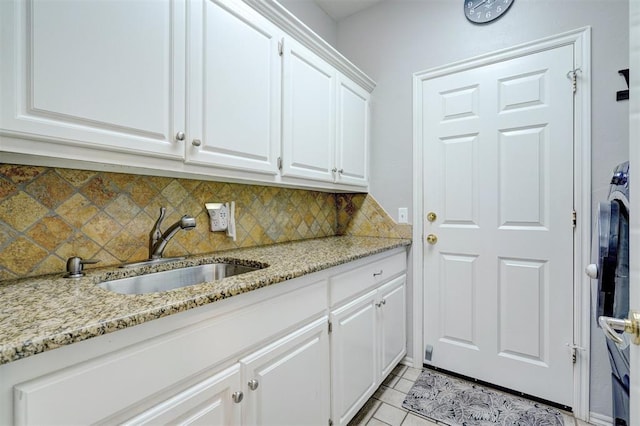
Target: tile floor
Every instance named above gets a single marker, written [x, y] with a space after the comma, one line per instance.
[384, 408]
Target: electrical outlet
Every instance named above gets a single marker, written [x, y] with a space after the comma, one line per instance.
[403, 215]
[219, 216]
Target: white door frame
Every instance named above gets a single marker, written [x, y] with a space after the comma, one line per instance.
[581, 41]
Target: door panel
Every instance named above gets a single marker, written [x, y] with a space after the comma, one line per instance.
[392, 323]
[283, 395]
[95, 74]
[353, 355]
[498, 161]
[308, 114]
[235, 88]
[634, 243]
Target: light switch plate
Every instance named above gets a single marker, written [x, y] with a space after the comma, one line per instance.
[403, 215]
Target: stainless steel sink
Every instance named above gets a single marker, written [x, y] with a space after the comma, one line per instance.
[166, 280]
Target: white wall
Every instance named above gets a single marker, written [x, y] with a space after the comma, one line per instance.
[396, 38]
[315, 18]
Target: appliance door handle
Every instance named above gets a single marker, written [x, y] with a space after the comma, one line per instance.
[630, 325]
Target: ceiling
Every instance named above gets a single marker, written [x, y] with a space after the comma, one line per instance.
[340, 9]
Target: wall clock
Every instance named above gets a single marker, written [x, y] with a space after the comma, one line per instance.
[485, 11]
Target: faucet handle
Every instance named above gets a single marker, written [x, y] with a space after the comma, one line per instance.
[156, 233]
[74, 266]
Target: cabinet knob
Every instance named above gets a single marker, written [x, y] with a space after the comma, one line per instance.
[375, 274]
[196, 142]
[382, 302]
[180, 136]
[335, 169]
[341, 171]
[237, 396]
[253, 384]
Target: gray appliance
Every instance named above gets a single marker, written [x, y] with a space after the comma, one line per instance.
[610, 290]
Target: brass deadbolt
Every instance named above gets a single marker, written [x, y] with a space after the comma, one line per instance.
[431, 217]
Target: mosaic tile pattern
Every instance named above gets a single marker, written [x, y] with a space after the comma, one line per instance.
[360, 215]
[50, 214]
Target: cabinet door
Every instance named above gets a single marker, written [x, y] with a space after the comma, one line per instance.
[354, 348]
[235, 87]
[392, 314]
[210, 402]
[308, 138]
[352, 148]
[287, 382]
[100, 74]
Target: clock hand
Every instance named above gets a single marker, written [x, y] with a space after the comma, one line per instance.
[477, 5]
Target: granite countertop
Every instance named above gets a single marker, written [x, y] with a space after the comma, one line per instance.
[42, 313]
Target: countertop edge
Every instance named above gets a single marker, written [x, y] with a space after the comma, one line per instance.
[197, 296]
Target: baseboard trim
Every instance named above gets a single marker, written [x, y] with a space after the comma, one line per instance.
[600, 419]
[407, 360]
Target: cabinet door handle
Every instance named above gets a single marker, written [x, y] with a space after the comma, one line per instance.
[341, 171]
[382, 302]
[253, 384]
[196, 142]
[375, 274]
[180, 136]
[237, 396]
[335, 169]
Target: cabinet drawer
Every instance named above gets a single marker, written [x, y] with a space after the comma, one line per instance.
[349, 284]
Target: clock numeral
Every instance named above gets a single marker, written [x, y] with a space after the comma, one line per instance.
[499, 9]
[488, 15]
[469, 5]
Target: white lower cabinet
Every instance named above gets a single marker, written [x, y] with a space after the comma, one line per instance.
[368, 336]
[302, 352]
[214, 401]
[266, 387]
[288, 381]
[354, 340]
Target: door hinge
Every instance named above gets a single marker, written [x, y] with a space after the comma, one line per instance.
[330, 327]
[574, 351]
[279, 163]
[574, 218]
[281, 47]
[572, 75]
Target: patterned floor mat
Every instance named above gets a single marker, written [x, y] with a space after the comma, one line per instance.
[454, 402]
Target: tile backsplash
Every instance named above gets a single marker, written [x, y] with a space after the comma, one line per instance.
[50, 214]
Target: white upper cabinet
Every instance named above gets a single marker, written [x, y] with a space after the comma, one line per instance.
[230, 89]
[352, 148]
[325, 121]
[234, 87]
[308, 138]
[100, 74]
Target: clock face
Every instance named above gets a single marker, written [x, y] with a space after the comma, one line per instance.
[483, 11]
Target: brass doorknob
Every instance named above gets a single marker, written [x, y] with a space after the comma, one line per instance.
[431, 217]
[432, 239]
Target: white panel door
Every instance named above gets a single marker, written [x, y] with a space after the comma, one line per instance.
[287, 382]
[634, 217]
[210, 402]
[354, 363]
[102, 74]
[498, 161]
[392, 314]
[353, 133]
[308, 139]
[235, 84]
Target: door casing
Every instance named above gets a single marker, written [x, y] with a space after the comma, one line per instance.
[581, 41]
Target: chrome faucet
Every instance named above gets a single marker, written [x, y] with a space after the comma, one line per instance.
[158, 240]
